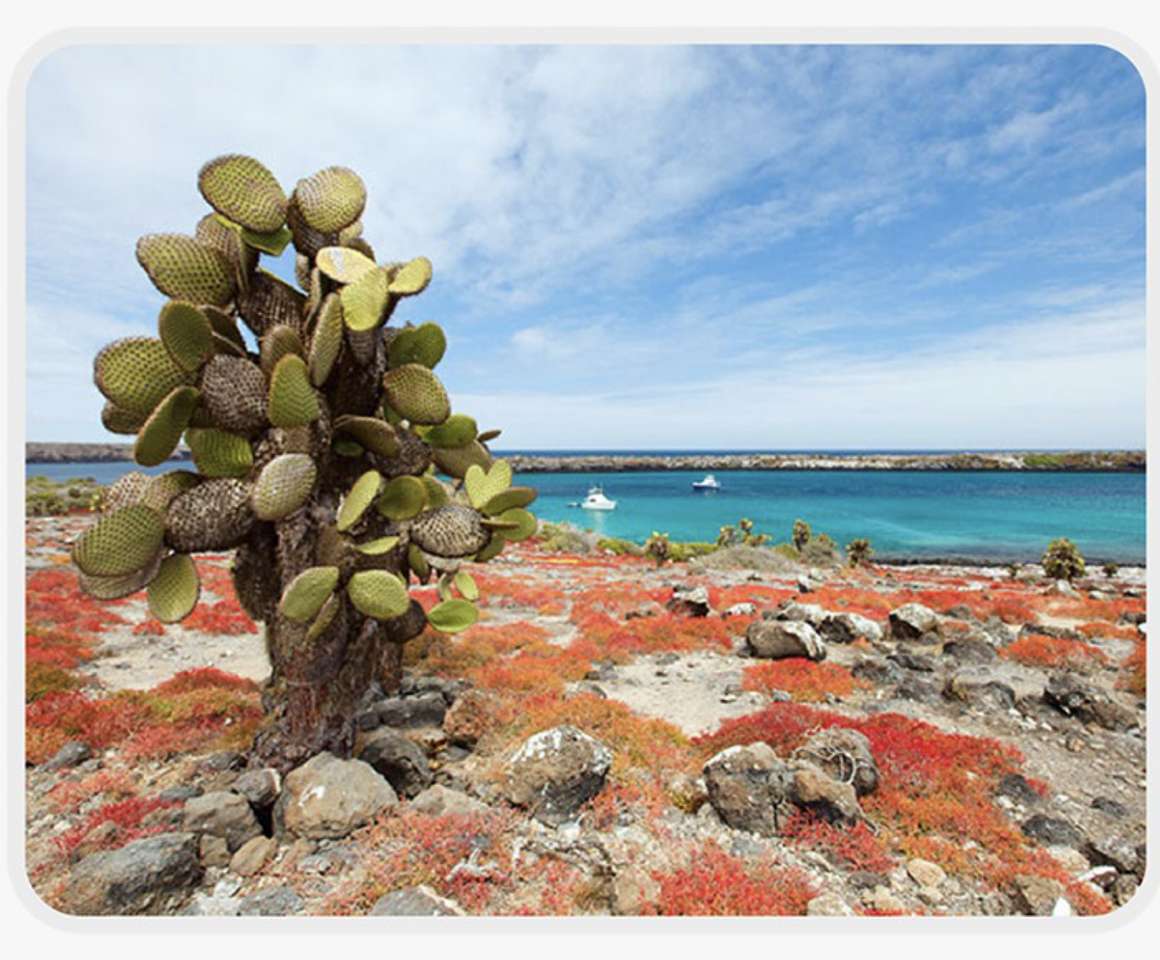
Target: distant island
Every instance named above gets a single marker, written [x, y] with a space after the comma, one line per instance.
[1123, 461]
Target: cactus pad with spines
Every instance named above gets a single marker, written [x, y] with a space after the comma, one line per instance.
[333, 390]
[174, 591]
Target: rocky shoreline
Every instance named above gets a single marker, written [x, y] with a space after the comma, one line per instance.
[1123, 461]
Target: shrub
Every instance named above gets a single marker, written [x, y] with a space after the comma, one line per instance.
[1062, 560]
[859, 551]
[1111, 569]
[659, 548]
[801, 534]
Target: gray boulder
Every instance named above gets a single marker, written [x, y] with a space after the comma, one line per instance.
[149, 876]
[844, 755]
[848, 627]
[438, 801]
[329, 798]
[912, 621]
[780, 639]
[222, 814]
[422, 710]
[399, 760]
[419, 901]
[555, 771]
[260, 787]
[279, 901]
[813, 789]
[749, 787]
[1073, 697]
[979, 686]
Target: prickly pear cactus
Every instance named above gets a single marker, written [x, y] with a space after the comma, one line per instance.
[328, 457]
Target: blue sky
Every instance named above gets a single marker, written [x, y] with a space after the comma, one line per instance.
[653, 247]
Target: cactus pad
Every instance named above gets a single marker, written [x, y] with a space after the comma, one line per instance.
[307, 592]
[279, 341]
[184, 269]
[326, 340]
[465, 584]
[451, 531]
[162, 489]
[136, 374]
[225, 326]
[371, 433]
[416, 393]
[377, 547]
[186, 333]
[218, 453]
[424, 344]
[458, 430]
[517, 524]
[128, 489]
[174, 591]
[233, 393]
[292, 402]
[482, 485]
[214, 515]
[118, 420]
[283, 486]
[411, 278]
[159, 436]
[120, 542]
[452, 616]
[456, 461]
[365, 300]
[437, 492]
[360, 497]
[324, 619]
[505, 500]
[331, 199]
[273, 242]
[402, 498]
[492, 549]
[242, 189]
[342, 264]
[114, 588]
[378, 593]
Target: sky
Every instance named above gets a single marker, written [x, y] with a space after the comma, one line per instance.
[651, 247]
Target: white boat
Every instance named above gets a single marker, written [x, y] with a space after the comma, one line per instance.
[709, 483]
[596, 500]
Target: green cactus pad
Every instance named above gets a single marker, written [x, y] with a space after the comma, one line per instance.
[279, 341]
[505, 500]
[437, 492]
[451, 531]
[117, 420]
[455, 461]
[365, 300]
[324, 619]
[491, 550]
[137, 373]
[163, 489]
[242, 189]
[120, 542]
[465, 584]
[378, 594]
[224, 236]
[326, 340]
[418, 563]
[376, 548]
[518, 524]
[174, 591]
[273, 242]
[233, 393]
[126, 490]
[458, 430]
[159, 436]
[452, 616]
[331, 199]
[482, 485]
[416, 393]
[186, 333]
[424, 344]
[292, 402]
[342, 264]
[371, 432]
[360, 497]
[488, 435]
[411, 278]
[114, 588]
[214, 515]
[225, 326]
[270, 301]
[218, 453]
[307, 592]
[402, 498]
[283, 486]
[347, 448]
[184, 269]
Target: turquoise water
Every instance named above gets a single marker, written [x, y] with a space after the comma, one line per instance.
[911, 514]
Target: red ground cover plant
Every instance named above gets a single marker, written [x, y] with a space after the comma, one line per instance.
[1036, 650]
[70, 794]
[1133, 671]
[508, 591]
[718, 884]
[855, 848]
[804, 680]
[126, 815]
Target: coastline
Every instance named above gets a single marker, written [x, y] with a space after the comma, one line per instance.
[1118, 461]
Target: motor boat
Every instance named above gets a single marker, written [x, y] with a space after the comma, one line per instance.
[709, 483]
[596, 500]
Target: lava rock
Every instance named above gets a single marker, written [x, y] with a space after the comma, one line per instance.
[748, 785]
[777, 640]
[439, 801]
[259, 787]
[1015, 787]
[555, 771]
[328, 798]
[426, 709]
[912, 621]
[70, 755]
[979, 686]
[1072, 697]
[277, 901]
[146, 876]
[815, 790]
[419, 901]
[253, 855]
[221, 814]
[399, 760]
[1113, 808]
[845, 755]
[1052, 831]
[848, 627]
[471, 716]
[689, 602]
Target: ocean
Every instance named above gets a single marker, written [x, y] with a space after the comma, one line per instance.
[905, 514]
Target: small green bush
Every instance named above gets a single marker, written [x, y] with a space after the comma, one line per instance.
[801, 534]
[859, 551]
[1062, 560]
[1111, 569]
